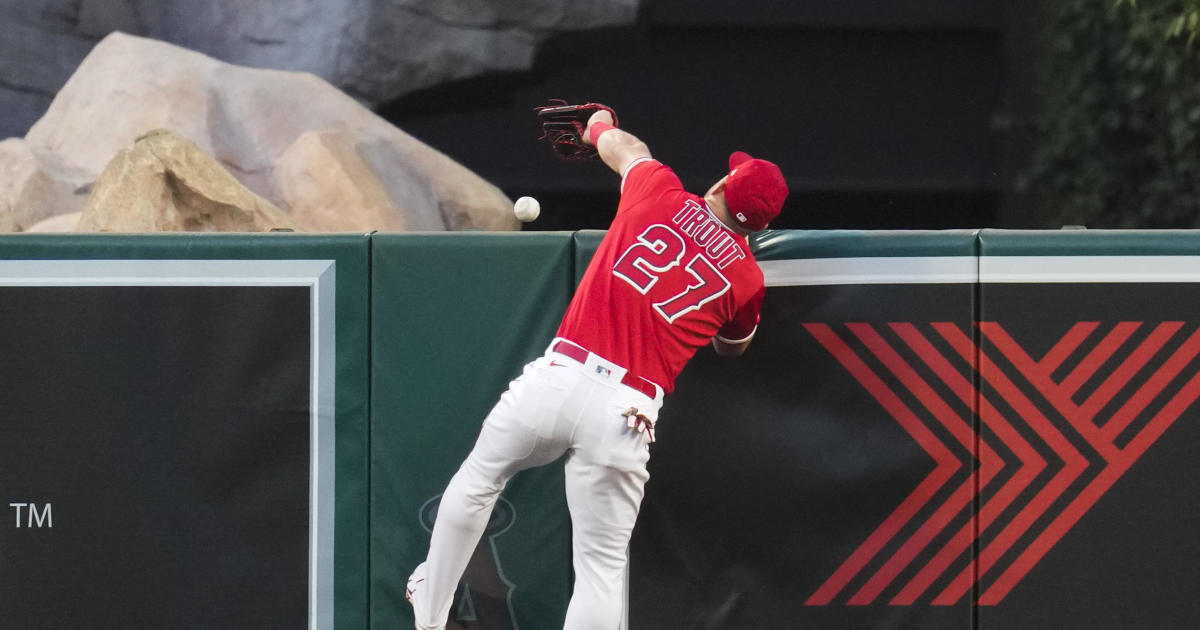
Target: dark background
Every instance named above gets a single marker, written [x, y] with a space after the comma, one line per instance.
[881, 113]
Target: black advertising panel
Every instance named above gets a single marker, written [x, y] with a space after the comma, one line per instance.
[1090, 352]
[163, 429]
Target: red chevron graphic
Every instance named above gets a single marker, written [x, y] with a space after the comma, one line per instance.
[1031, 463]
[1079, 416]
[962, 430]
[1119, 460]
[947, 464]
[1074, 465]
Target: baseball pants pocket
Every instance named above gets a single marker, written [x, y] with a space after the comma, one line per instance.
[623, 448]
[506, 441]
[615, 443]
[535, 399]
[507, 444]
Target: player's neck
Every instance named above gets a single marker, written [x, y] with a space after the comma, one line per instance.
[716, 203]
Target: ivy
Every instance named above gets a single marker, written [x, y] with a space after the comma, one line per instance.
[1115, 129]
[1186, 18]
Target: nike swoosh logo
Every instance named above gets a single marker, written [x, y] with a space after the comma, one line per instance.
[557, 364]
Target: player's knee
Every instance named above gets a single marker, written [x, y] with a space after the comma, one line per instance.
[484, 480]
[484, 497]
[475, 492]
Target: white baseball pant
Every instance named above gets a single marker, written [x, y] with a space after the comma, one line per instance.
[558, 405]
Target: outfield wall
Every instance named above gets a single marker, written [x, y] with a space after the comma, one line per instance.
[932, 430]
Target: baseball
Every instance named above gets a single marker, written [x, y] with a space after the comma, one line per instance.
[527, 209]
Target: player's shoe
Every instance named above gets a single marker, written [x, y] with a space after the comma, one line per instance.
[415, 582]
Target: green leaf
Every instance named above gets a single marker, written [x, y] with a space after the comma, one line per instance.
[1176, 26]
[1115, 131]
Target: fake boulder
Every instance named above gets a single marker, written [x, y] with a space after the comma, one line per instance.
[163, 183]
[289, 137]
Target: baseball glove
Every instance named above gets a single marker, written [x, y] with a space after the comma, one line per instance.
[563, 125]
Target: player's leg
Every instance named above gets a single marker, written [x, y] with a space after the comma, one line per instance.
[508, 443]
[463, 514]
[605, 481]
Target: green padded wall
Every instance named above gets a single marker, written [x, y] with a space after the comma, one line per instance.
[455, 317]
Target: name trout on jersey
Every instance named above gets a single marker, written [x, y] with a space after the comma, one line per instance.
[660, 248]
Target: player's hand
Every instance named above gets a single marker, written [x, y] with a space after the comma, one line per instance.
[603, 116]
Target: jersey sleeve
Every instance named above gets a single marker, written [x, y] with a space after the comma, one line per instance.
[645, 180]
[745, 321]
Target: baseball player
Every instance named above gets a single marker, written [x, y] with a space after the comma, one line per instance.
[673, 273]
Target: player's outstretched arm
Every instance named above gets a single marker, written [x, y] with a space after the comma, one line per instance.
[617, 148]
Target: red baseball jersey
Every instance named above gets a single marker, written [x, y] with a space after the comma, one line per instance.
[666, 279]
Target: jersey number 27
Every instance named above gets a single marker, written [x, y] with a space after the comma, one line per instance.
[658, 250]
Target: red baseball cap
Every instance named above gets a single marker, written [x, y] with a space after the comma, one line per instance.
[754, 191]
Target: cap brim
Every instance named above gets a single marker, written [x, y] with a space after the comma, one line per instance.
[738, 157]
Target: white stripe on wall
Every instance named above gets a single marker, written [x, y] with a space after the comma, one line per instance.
[984, 269]
[877, 270]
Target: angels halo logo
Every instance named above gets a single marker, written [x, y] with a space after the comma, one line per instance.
[484, 596]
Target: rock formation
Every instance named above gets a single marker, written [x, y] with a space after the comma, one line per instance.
[33, 187]
[57, 223]
[375, 50]
[164, 183]
[290, 137]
